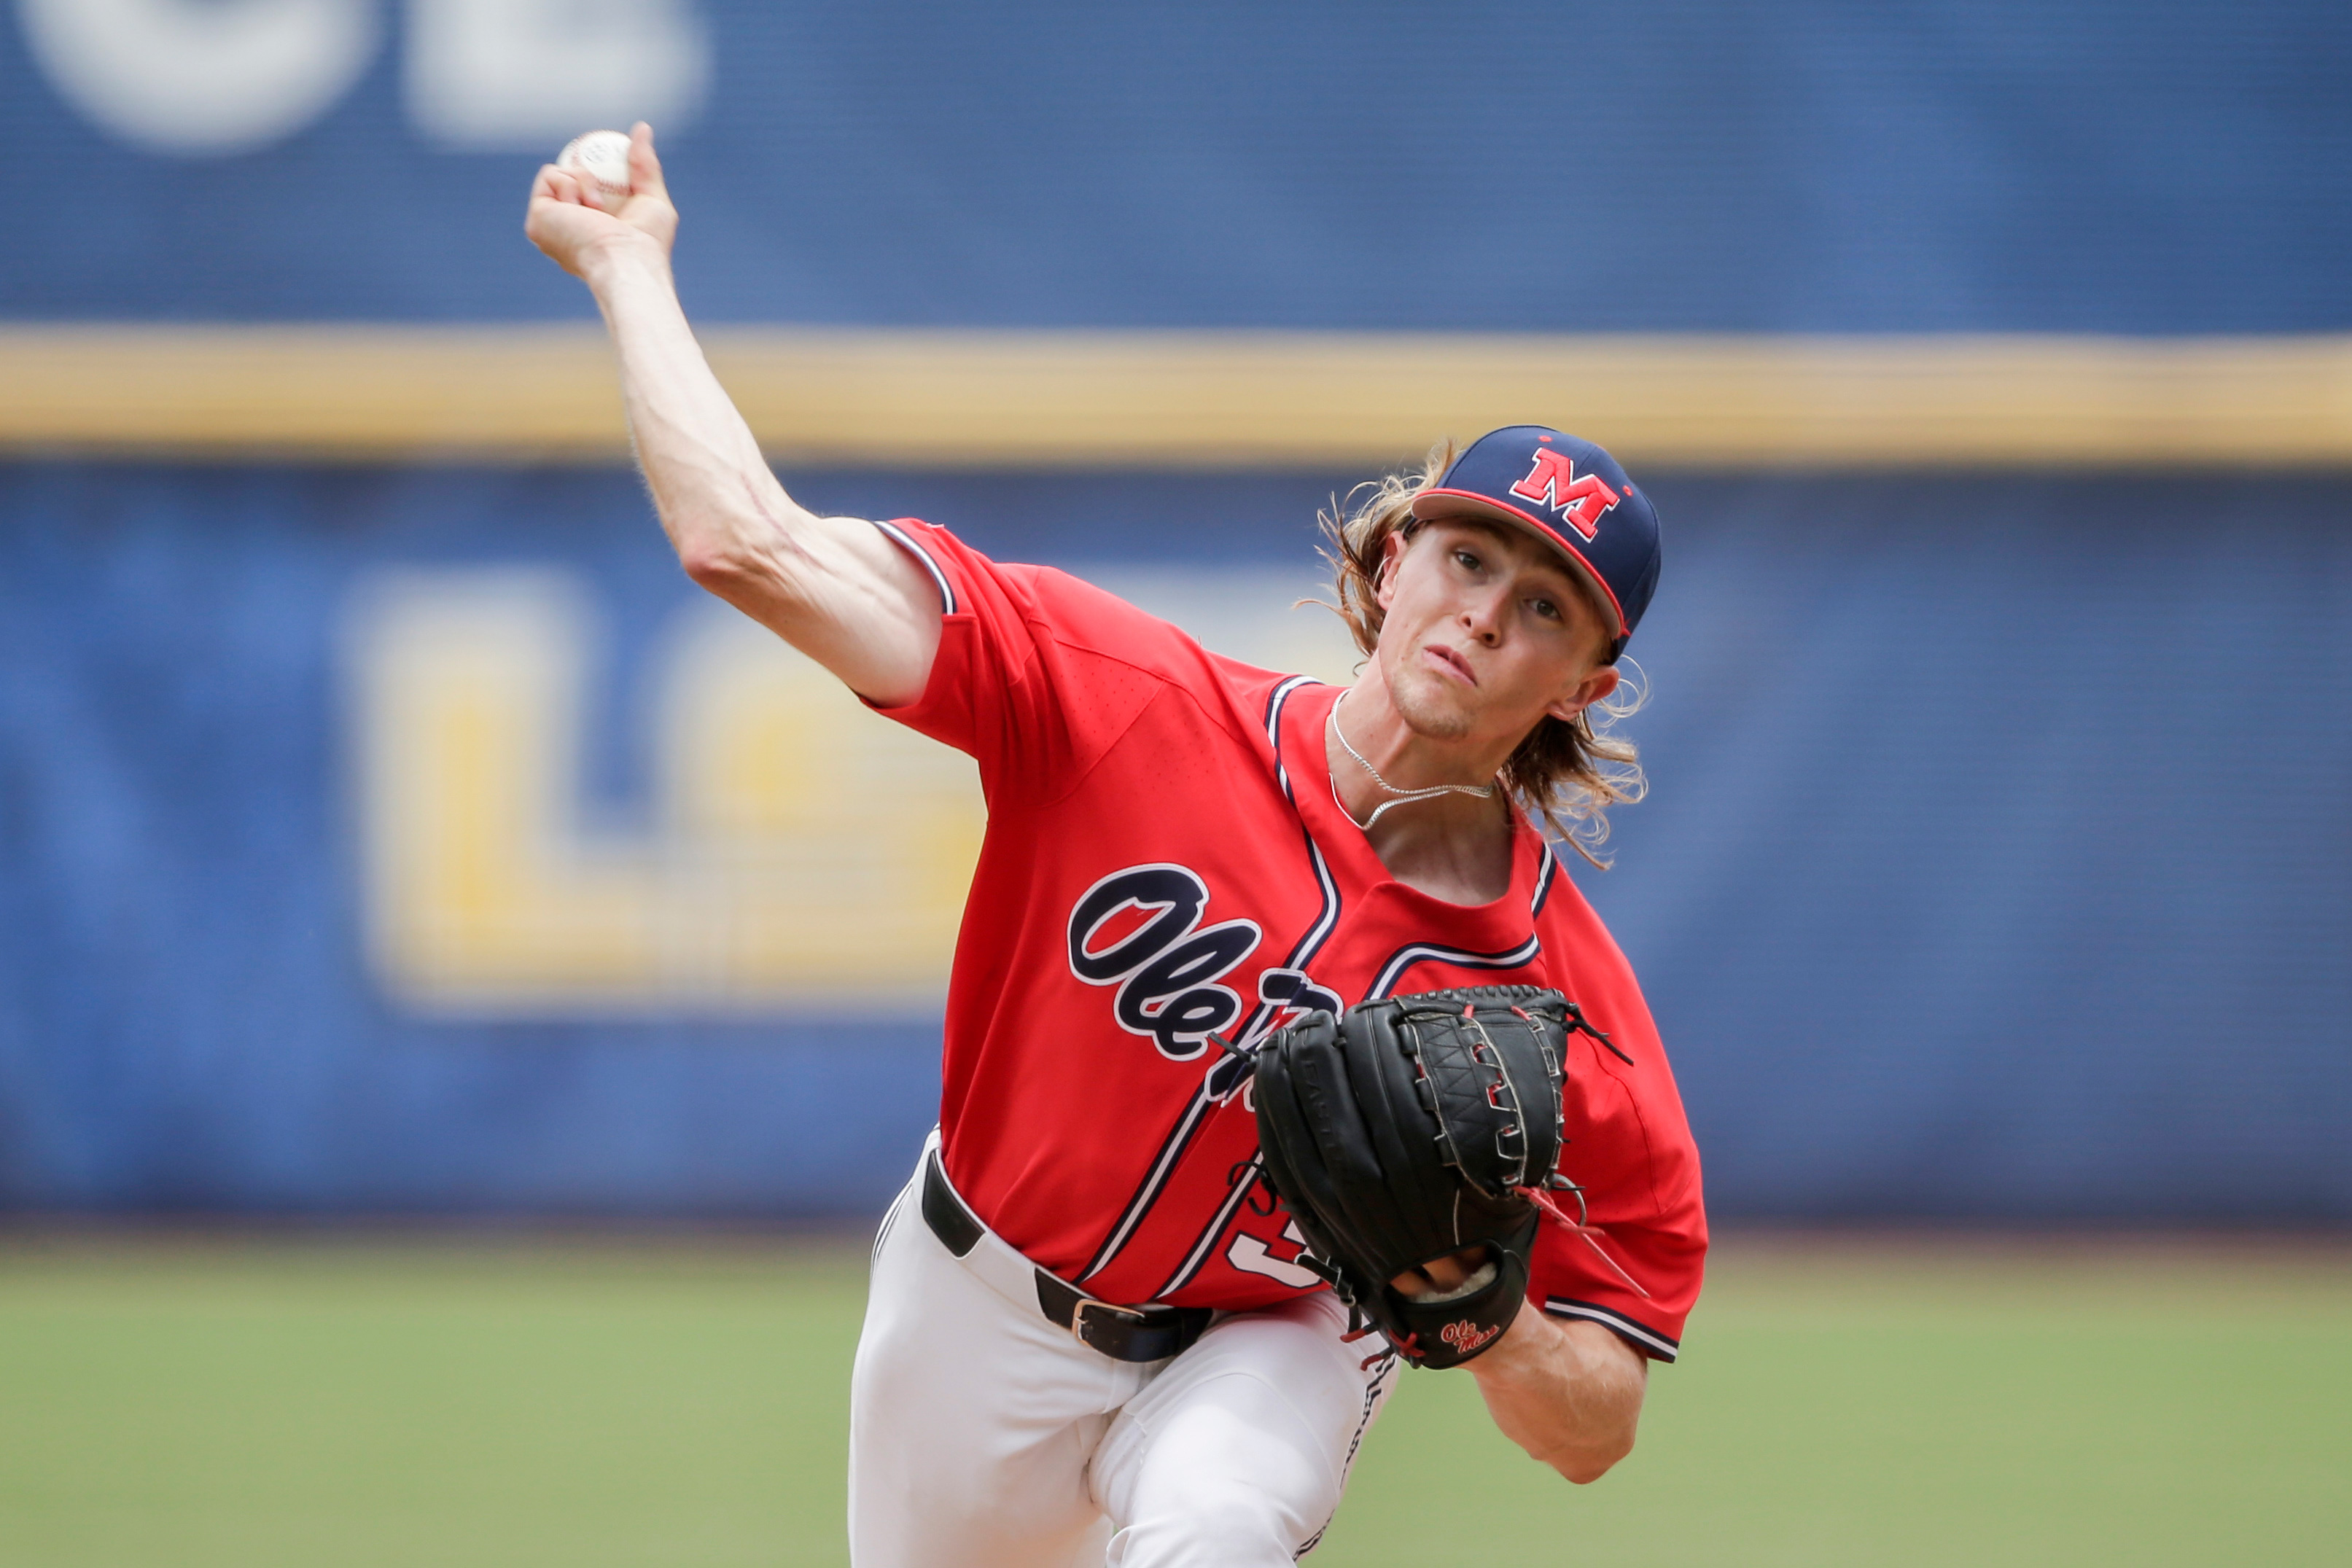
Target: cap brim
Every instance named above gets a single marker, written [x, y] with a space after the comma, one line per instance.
[1439, 502]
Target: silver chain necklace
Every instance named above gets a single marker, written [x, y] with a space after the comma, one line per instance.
[1403, 797]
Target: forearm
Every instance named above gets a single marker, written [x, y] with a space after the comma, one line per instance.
[1568, 1393]
[833, 586]
[719, 500]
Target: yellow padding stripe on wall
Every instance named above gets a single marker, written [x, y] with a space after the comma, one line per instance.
[1183, 398]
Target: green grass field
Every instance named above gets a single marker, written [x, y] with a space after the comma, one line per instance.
[606, 1403]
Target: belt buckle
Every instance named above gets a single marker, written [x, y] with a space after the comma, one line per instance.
[1078, 1317]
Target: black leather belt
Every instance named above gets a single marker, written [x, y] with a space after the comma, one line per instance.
[1122, 1333]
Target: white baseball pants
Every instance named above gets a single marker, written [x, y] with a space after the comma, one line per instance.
[981, 1436]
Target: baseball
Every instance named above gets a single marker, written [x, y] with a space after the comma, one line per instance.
[601, 159]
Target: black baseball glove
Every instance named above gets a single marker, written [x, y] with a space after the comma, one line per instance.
[1413, 1128]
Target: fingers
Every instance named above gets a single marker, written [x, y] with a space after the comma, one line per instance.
[1413, 1282]
[556, 184]
[552, 224]
[1441, 1275]
[551, 219]
[644, 167]
[610, 202]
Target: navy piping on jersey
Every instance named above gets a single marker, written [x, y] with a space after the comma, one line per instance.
[1207, 1241]
[1546, 875]
[1328, 921]
[1650, 1339]
[906, 542]
[1273, 702]
[1172, 1149]
[1179, 1137]
[1325, 923]
[1405, 957]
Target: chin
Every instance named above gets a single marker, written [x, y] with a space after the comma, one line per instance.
[1428, 709]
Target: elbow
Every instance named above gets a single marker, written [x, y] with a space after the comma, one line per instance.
[712, 566]
[745, 579]
[745, 574]
[1590, 1464]
[744, 554]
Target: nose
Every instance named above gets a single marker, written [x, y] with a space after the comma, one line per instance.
[1482, 616]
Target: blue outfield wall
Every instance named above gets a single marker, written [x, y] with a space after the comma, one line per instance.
[2138, 166]
[1999, 861]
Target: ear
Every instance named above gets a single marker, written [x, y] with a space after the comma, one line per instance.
[1393, 550]
[1596, 685]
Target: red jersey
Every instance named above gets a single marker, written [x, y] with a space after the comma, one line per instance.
[1165, 859]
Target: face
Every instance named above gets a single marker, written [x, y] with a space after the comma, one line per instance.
[1486, 633]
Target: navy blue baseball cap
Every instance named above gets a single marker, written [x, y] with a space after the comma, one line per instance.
[1569, 494]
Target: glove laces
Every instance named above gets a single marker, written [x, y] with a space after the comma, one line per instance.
[1581, 1227]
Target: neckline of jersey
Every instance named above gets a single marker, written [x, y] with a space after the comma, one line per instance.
[1301, 753]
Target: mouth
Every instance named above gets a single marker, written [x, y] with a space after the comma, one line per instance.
[1446, 659]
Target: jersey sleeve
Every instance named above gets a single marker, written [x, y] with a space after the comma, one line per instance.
[1037, 672]
[1629, 1148]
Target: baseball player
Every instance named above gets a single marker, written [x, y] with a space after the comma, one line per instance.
[1092, 1335]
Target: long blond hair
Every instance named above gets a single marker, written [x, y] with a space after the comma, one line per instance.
[1565, 772]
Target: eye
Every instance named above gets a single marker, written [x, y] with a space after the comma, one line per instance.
[1466, 559]
[1545, 608]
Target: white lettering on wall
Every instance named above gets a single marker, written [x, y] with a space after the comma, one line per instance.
[199, 78]
[210, 78]
[524, 75]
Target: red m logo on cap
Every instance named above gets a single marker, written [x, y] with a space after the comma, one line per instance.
[1553, 484]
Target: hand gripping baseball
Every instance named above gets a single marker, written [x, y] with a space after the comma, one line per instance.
[565, 220]
[1413, 1129]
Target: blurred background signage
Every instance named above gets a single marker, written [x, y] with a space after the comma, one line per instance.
[797, 852]
[199, 78]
